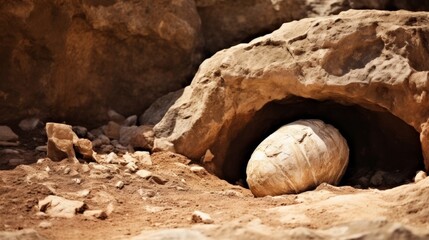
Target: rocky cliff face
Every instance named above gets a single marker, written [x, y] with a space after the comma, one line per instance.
[373, 59]
[72, 60]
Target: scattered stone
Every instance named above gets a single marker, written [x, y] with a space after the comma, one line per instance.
[43, 148]
[9, 151]
[144, 174]
[132, 167]
[143, 137]
[8, 144]
[7, 135]
[97, 142]
[99, 214]
[42, 160]
[201, 217]
[110, 208]
[420, 176]
[47, 169]
[45, 224]
[25, 234]
[85, 168]
[111, 130]
[377, 178]
[158, 179]
[208, 156]
[129, 158]
[146, 193]
[173, 234]
[29, 124]
[66, 170]
[77, 180]
[130, 121]
[83, 193]
[231, 193]
[104, 139]
[107, 148]
[143, 157]
[198, 170]
[60, 141]
[55, 206]
[115, 117]
[84, 147]
[119, 184]
[80, 131]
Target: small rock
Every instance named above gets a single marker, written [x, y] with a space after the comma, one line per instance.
[201, 217]
[110, 208]
[144, 174]
[42, 160]
[111, 158]
[8, 144]
[143, 137]
[45, 224]
[377, 178]
[56, 206]
[129, 158]
[143, 157]
[420, 176]
[99, 214]
[130, 121]
[84, 147]
[67, 170]
[111, 130]
[180, 233]
[146, 193]
[43, 148]
[47, 169]
[231, 193]
[104, 139]
[119, 184]
[158, 179]
[97, 142]
[198, 170]
[114, 116]
[9, 151]
[29, 124]
[132, 167]
[85, 168]
[60, 141]
[208, 156]
[6, 134]
[80, 131]
[107, 148]
[77, 180]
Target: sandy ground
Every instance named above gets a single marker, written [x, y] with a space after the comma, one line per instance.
[168, 199]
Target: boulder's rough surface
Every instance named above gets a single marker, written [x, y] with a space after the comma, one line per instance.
[56, 206]
[92, 55]
[376, 59]
[297, 157]
[61, 140]
[227, 23]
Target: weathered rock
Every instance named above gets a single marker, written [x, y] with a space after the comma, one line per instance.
[45, 224]
[130, 121]
[80, 58]
[29, 124]
[201, 217]
[144, 174]
[115, 116]
[6, 134]
[84, 147]
[98, 214]
[137, 137]
[142, 157]
[60, 141]
[56, 206]
[297, 157]
[111, 130]
[80, 131]
[157, 110]
[356, 58]
[119, 184]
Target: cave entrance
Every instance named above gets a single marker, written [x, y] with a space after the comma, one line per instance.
[384, 151]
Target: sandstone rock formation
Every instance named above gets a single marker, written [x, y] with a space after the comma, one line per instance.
[367, 68]
[227, 23]
[72, 60]
[297, 157]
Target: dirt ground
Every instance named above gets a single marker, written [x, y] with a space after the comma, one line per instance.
[168, 198]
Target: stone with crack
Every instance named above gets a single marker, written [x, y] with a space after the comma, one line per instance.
[55, 206]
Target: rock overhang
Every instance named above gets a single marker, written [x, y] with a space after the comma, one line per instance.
[375, 59]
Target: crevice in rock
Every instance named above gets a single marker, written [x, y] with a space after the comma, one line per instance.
[384, 151]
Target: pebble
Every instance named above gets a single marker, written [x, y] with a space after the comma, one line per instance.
[66, 170]
[29, 124]
[104, 139]
[85, 168]
[42, 160]
[83, 193]
[97, 142]
[143, 157]
[114, 116]
[43, 148]
[158, 179]
[420, 176]
[130, 121]
[76, 180]
[56, 206]
[144, 174]
[99, 214]
[146, 193]
[132, 167]
[198, 170]
[16, 161]
[129, 158]
[47, 169]
[45, 224]
[201, 217]
[111, 158]
[377, 178]
[80, 131]
[6, 134]
[119, 184]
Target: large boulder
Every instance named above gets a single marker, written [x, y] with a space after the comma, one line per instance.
[226, 23]
[366, 72]
[72, 60]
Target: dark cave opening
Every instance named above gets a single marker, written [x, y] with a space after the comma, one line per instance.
[384, 151]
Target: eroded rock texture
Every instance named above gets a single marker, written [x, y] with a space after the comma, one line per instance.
[73, 60]
[227, 23]
[374, 59]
